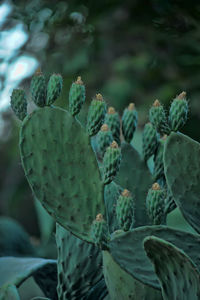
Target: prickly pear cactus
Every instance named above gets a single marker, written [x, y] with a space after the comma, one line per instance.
[19, 103]
[38, 89]
[129, 122]
[89, 196]
[76, 96]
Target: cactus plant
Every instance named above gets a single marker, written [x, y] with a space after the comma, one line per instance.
[89, 198]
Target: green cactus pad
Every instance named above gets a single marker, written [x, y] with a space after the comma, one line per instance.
[96, 115]
[129, 122]
[125, 210]
[113, 121]
[38, 89]
[9, 292]
[76, 96]
[178, 112]
[135, 176]
[156, 204]
[178, 276]
[58, 160]
[150, 141]
[98, 291]
[103, 139]
[112, 192]
[158, 118]
[79, 265]
[182, 170]
[121, 285]
[19, 103]
[127, 250]
[54, 88]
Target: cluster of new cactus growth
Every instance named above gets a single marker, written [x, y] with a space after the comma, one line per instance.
[113, 201]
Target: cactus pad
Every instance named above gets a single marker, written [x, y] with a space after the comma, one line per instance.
[150, 141]
[127, 250]
[177, 273]
[113, 121]
[111, 162]
[178, 112]
[79, 265]
[54, 88]
[58, 160]
[19, 103]
[182, 170]
[38, 89]
[129, 122]
[76, 96]
[158, 118]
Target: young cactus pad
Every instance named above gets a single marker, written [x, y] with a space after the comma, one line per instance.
[129, 122]
[38, 89]
[58, 161]
[54, 88]
[19, 103]
[158, 118]
[178, 112]
[76, 96]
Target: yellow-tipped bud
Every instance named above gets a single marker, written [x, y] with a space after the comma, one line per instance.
[155, 186]
[111, 110]
[131, 106]
[181, 96]
[99, 97]
[99, 217]
[114, 145]
[126, 193]
[104, 127]
[156, 103]
[79, 80]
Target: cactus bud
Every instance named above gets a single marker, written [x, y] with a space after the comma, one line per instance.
[158, 172]
[125, 210]
[104, 139]
[150, 141]
[99, 232]
[111, 162]
[129, 122]
[158, 118]
[155, 204]
[19, 103]
[178, 112]
[96, 115]
[54, 88]
[76, 96]
[113, 121]
[38, 89]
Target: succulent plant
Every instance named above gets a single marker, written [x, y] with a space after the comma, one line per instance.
[111, 207]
